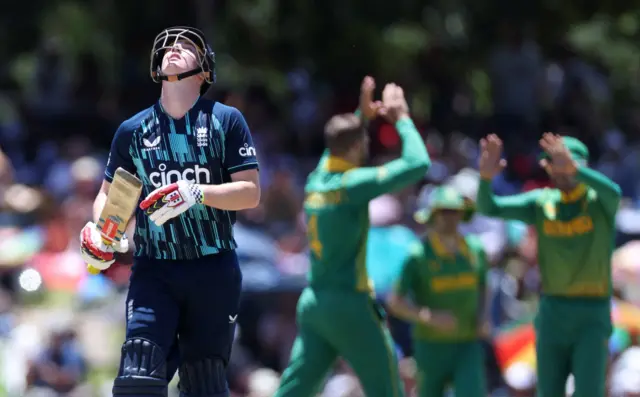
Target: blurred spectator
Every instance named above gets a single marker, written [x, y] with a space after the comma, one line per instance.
[282, 201]
[59, 369]
[51, 92]
[6, 171]
[86, 176]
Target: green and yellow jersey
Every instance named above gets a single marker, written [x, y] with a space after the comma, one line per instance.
[453, 282]
[337, 209]
[576, 231]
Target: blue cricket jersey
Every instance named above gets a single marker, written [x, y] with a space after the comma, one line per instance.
[211, 142]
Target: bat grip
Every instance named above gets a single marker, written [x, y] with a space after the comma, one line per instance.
[92, 270]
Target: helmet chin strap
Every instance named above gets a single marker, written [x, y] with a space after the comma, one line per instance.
[180, 76]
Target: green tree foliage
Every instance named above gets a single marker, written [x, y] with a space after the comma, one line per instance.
[337, 40]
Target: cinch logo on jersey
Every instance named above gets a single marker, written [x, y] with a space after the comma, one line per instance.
[247, 151]
[194, 175]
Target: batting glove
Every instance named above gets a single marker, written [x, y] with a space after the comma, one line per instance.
[95, 252]
[170, 201]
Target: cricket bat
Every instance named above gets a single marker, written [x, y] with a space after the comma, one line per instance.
[122, 201]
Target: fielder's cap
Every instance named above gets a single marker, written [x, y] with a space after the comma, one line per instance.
[578, 150]
[445, 198]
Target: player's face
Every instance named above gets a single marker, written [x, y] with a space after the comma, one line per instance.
[447, 221]
[563, 182]
[181, 57]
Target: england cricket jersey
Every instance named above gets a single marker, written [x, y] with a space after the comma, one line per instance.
[211, 142]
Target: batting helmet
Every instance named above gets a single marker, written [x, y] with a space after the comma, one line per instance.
[167, 39]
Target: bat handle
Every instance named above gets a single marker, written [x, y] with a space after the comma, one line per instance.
[92, 270]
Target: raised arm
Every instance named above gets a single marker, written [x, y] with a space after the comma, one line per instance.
[518, 207]
[561, 160]
[521, 207]
[609, 192]
[364, 184]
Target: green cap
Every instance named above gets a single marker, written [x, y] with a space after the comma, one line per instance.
[445, 198]
[577, 149]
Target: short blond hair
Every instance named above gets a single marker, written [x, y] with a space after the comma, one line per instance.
[342, 131]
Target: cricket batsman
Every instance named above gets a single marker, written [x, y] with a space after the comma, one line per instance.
[441, 291]
[198, 166]
[337, 314]
[575, 223]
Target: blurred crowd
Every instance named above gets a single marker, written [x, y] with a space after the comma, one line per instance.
[53, 146]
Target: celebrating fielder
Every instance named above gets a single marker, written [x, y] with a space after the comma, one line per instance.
[198, 165]
[575, 223]
[337, 315]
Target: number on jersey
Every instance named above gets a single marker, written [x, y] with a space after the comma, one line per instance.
[314, 240]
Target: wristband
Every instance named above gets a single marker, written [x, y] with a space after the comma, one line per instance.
[197, 193]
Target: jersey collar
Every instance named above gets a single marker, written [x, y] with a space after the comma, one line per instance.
[440, 250]
[159, 103]
[338, 164]
[574, 195]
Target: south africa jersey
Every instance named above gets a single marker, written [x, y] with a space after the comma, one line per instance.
[210, 143]
[576, 231]
[337, 209]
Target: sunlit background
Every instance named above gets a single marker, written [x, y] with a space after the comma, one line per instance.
[71, 71]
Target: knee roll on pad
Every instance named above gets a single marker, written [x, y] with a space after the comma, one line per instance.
[143, 370]
[203, 378]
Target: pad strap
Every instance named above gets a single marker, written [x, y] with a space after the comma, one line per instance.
[204, 378]
[143, 370]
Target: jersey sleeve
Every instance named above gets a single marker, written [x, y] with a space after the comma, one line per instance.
[240, 153]
[608, 192]
[119, 155]
[521, 207]
[365, 184]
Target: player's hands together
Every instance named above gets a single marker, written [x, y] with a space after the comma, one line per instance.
[443, 320]
[561, 160]
[95, 252]
[491, 161]
[169, 201]
[370, 109]
[394, 104]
